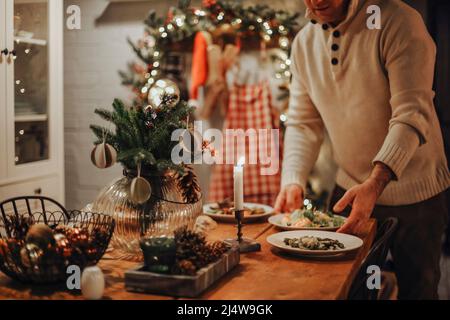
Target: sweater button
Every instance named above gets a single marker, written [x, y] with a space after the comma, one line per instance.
[334, 61]
[325, 27]
[336, 34]
[335, 47]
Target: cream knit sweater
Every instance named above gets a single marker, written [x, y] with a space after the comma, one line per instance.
[372, 91]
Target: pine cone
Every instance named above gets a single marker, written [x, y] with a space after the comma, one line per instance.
[188, 243]
[188, 185]
[185, 267]
[191, 246]
[217, 249]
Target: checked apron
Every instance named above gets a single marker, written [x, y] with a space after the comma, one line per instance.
[249, 107]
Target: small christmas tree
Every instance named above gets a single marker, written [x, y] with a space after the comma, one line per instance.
[142, 139]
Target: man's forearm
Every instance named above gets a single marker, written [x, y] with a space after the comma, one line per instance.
[380, 177]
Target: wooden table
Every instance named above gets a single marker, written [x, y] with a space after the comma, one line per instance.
[263, 275]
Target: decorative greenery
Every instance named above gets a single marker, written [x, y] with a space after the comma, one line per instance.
[143, 136]
[183, 21]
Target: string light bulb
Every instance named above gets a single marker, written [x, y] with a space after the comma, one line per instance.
[284, 42]
[200, 13]
[179, 20]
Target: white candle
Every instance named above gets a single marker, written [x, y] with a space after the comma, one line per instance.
[239, 185]
[92, 283]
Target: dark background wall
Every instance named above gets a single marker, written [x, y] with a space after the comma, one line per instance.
[436, 14]
[439, 24]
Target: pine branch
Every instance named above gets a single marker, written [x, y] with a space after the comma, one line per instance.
[104, 114]
[138, 52]
[102, 133]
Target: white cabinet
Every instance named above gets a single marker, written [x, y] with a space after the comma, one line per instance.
[31, 98]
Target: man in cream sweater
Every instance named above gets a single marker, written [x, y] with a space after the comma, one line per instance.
[371, 89]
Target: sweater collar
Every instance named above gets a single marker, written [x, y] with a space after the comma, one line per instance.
[353, 8]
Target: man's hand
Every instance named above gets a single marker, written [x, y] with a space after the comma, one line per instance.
[362, 199]
[289, 199]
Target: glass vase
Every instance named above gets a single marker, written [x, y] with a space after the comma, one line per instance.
[160, 216]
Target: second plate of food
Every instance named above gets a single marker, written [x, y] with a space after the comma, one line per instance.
[307, 220]
[253, 212]
[314, 243]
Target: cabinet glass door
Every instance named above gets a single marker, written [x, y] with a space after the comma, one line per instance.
[31, 81]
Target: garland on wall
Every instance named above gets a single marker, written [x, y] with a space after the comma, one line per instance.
[184, 21]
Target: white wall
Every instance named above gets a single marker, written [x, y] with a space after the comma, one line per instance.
[92, 58]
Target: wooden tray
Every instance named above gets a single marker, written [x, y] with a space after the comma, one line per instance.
[139, 280]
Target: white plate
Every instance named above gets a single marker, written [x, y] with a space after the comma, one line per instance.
[350, 242]
[276, 221]
[230, 217]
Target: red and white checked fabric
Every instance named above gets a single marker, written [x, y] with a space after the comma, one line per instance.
[249, 108]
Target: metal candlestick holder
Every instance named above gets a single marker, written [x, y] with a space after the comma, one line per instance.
[245, 245]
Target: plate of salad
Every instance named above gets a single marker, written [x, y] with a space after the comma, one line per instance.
[314, 243]
[308, 219]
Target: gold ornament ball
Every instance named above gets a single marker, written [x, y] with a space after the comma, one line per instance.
[41, 235]
[164, 92]
[31, 255]
[140, 190]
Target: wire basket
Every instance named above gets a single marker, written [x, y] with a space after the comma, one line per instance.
[81, 239]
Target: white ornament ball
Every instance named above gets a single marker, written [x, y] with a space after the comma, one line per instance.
[92, 283]
[140, 190]
[164, 92]
[103, 156]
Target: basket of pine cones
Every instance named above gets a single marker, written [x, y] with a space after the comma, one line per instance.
[184, 265]
[38, 248]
